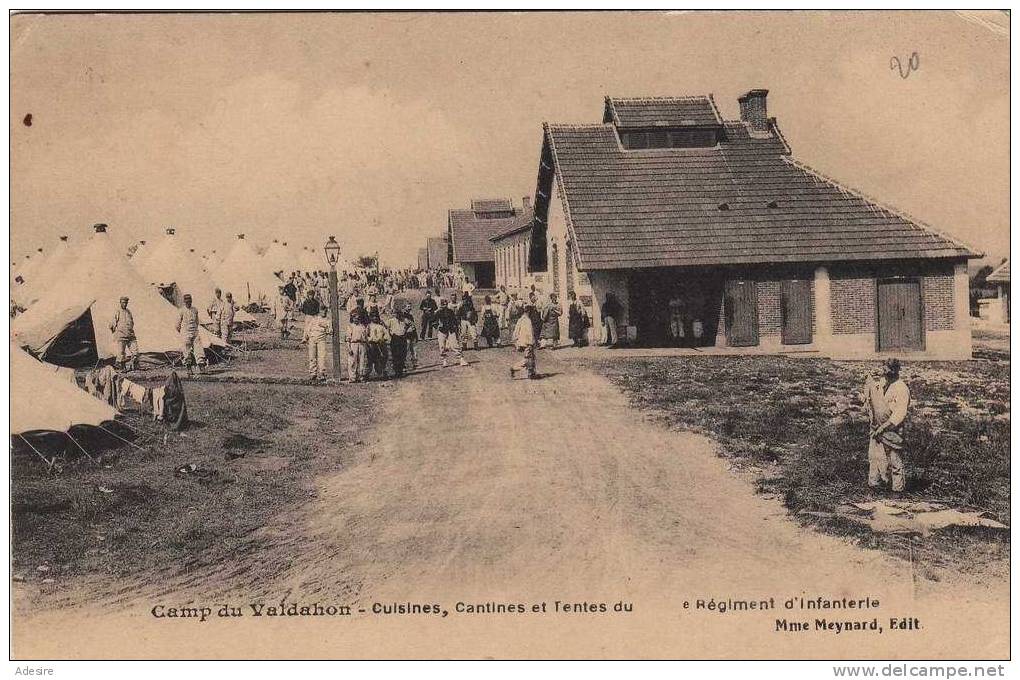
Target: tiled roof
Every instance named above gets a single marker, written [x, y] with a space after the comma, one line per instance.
[522, 222]
[1000, 275]
[740, 202]
[644, 112]
[470, 235]
[488, 205]
[439, 255]
[470, 231]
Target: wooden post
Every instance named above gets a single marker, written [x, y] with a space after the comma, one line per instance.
[334, 312]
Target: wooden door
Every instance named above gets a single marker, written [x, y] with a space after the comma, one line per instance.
[900, 325]
[741, 313]
[795, 308]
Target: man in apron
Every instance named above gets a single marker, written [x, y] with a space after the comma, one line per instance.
[887, 401]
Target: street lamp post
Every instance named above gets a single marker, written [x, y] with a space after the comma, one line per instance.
[332, 249]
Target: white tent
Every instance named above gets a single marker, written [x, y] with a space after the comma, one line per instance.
[140, 257]
[210, 261]
[279, 258]
[48, 271]
[46, 401]
[170, 263]
[244, 274]
[57, 325]
[31, 264]
[310, 261]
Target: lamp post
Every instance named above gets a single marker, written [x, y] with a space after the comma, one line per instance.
[332, 249]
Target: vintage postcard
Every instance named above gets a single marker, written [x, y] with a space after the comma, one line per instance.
[513, 335]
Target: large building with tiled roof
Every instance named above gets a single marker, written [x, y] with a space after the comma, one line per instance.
[469, 234]
[707, 232]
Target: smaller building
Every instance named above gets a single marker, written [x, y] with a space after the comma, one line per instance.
[438, 252]
[423, 258]
[998, 307]
[511, 247]
[470, 230]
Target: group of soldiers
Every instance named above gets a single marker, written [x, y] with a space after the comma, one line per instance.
[378, 338]
[221, 318]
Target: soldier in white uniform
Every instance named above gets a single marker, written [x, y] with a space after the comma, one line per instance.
[887, 402]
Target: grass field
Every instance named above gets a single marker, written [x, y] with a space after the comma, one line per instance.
[799, 429]
[258, 449]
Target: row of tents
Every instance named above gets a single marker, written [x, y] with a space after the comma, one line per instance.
[69, 297]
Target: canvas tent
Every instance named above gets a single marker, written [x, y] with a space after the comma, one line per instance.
[50, 402]
[278, 258]
[170, 263]
[69, 325]
[210, 261]
[310, 261]
[244, 274]
[49, 270]
[31, 266]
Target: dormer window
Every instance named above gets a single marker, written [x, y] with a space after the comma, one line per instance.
[676, 138]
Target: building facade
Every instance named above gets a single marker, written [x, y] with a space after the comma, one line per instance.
[438, 252]
[511, 248]
[470, 232]
[997, 309]
[705, 232]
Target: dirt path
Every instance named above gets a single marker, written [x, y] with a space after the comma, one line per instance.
[478, 489]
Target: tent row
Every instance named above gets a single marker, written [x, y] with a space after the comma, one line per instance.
[70, 296]
[249, 276]
[74, 293]
[67, 323]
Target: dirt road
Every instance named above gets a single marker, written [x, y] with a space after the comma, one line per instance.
[479, 489]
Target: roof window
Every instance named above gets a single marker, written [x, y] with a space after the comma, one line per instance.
[676, 138]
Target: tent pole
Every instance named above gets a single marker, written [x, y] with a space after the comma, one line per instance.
[120, 438]
[49, 461]
[145, 436]
[87, 454]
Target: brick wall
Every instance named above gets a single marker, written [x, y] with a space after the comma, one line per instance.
[853, 301]
[939, 310]
[853, 304]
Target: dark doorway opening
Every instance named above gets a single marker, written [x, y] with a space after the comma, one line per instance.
[75, 346]
[675, 307]
[485, 274]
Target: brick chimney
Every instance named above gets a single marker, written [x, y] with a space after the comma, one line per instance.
[753, 110]
[526, 202]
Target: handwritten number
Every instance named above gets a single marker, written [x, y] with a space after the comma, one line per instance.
[913, 64]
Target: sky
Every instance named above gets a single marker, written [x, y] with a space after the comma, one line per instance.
[372, 126]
